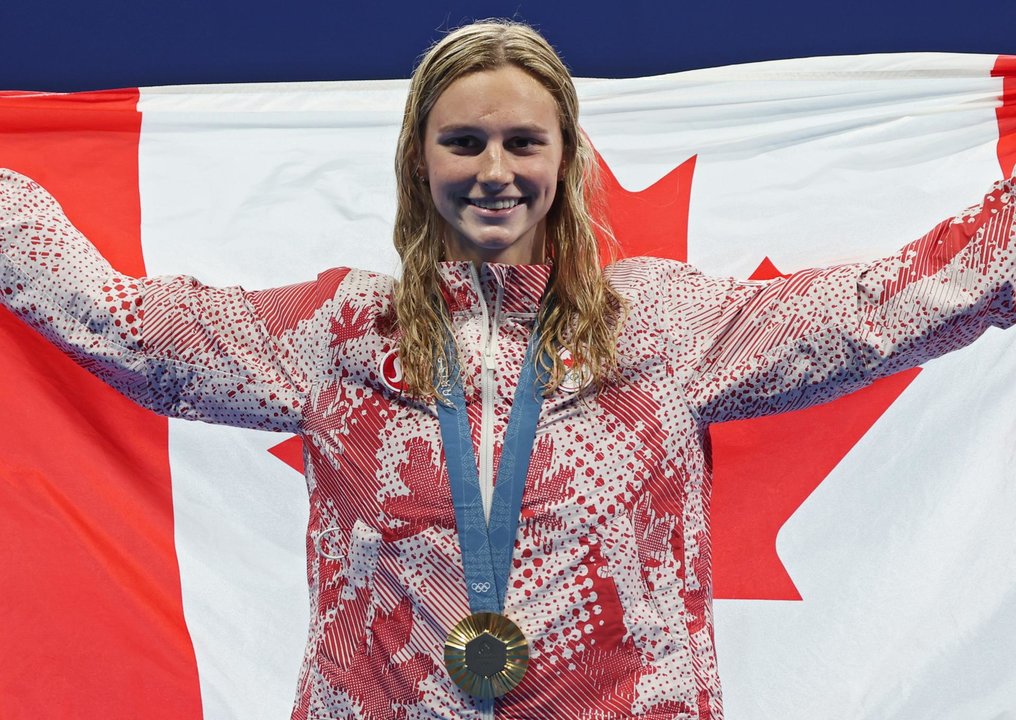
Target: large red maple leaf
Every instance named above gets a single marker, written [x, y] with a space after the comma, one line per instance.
[763, 469]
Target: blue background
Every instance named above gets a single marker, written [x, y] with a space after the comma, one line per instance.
[69, 45]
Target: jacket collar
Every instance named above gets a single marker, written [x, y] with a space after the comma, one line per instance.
[521, 286]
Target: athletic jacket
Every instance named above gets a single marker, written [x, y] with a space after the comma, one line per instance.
[611, 572]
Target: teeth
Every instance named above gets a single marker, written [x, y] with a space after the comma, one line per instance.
[495, 204]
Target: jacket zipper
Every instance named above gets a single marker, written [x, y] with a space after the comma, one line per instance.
[488, 342]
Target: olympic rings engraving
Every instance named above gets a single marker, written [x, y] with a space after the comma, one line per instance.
[481, 587]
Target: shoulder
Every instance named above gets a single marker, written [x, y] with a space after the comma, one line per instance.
[330, 284]
[323, 297]
[634, 269]
[641, 276]
[674, 294]
[377, 286]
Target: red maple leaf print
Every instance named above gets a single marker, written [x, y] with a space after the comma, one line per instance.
[376, 682]
[544, 491]
[348, 325]
[461, 298]
[428, 502]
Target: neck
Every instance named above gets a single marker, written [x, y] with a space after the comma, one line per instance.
[522, 252]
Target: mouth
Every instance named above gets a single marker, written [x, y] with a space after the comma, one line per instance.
[495, 204]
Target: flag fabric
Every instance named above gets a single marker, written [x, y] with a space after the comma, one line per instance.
[865, 564]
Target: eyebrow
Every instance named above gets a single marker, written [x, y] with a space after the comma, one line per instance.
[524, 129]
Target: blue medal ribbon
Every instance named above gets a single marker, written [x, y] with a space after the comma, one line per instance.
[487, 547]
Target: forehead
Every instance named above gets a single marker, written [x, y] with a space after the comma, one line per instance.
[505, 96]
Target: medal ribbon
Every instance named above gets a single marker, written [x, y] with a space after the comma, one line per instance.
[487, 547]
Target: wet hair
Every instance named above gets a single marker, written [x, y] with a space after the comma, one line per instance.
[580, 311]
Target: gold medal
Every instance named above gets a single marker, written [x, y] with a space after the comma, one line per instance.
[486, 655]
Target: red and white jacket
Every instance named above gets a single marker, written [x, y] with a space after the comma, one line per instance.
[611, 579]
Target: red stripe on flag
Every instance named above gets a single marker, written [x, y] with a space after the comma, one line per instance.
[93, 623]
[1005, 68]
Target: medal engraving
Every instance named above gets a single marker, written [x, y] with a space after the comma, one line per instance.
[486, 655]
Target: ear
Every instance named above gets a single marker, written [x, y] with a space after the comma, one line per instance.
[415, 161]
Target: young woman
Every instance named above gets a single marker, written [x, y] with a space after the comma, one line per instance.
[550, 421]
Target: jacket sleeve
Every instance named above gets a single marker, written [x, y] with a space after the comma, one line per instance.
[171, 344]
[773, 346]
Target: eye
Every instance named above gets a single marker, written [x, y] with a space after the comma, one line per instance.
[462, 142]
[523, 143]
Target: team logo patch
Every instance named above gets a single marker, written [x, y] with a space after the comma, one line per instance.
[574, 377]
[391, 370]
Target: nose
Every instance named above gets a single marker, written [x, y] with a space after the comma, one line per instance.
[495, 171]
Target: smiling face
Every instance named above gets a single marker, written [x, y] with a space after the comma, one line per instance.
[492, 154]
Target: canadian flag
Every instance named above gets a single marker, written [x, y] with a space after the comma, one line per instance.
[864, 550]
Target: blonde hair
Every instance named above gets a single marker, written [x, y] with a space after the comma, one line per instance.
[580, 311]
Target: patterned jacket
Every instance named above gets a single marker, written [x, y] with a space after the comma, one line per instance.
[611, 573]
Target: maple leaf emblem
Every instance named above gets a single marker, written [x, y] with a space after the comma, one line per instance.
[376, 682]
[428, 501]
[458, 299]
[350, 324]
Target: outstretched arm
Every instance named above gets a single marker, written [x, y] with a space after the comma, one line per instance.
[171, 344]
[768, 347]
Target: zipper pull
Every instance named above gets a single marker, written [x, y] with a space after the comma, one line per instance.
[488, 361]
